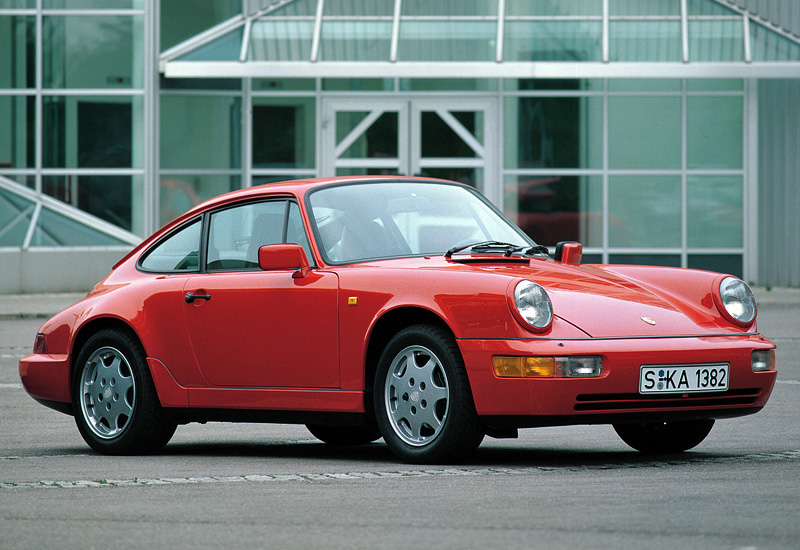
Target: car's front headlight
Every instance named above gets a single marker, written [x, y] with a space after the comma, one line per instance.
[737, 301]
[533, 306]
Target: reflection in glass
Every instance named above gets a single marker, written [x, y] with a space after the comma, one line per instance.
[55, 229]
[212, 140]
[651, 145]
[551, 209]
[15, 217]
[179, 193]
[115, 199]
[447, 40]
[714, 211]
[283, 132]
[714, 132]
[91, 52]
[554, 132]
[355, 41]
[17, 132]
[552, 41]
[716, 40]
[644, 211]
[657, 41]
[17, 51]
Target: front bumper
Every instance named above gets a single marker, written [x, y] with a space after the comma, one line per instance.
[615, 394]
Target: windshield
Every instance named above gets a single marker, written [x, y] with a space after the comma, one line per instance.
[362, 221]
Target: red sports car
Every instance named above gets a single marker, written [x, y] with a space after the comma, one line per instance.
[404, 308]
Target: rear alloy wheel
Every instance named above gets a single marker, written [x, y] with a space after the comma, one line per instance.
[423, 402]
[114, 400]
[344, 435]
[664, 437]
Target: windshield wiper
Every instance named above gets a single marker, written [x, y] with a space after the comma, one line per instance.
[482, 246]
[528, 251]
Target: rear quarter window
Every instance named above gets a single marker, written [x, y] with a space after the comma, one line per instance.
[177, 253]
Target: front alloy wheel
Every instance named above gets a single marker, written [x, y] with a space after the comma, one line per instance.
[114, 400]
[423, 402]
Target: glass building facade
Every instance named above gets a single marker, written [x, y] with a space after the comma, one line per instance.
[632, 127]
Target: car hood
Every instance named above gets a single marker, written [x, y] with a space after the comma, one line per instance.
[621, 301]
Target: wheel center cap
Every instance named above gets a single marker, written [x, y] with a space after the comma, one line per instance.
[107, 393]
[414, 396]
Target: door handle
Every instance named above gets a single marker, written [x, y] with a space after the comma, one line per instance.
[191, 297]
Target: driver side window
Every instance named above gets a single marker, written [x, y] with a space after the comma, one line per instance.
[236, 234]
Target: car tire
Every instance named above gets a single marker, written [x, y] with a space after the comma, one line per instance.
[115, 403]
[664, 437]
[422, 398]
[344, 435]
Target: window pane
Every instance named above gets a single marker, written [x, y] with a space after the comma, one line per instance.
[355, 40]
[716, 40]
[93, 4]
[549, 7]
[448, 84]
[637, 7]
[666, 260]
[552, 41]
[15, 217]
[115, 199]
[554, 132]
[770, 46]
[17, 132]
[179, 193]
[632, 144]
[189, 140]
[551, 209]
[17, 51]
[363, 8]
[447, 40]
[179, 23]
[236, 234]
[55, 229]
[225, 48]
[284, 132]
[180, 252]
[439, 136]
[91, 52]
[447, 8]
[644, 211]
[272, 40]
[645, 40]
[722, 263]
[714, 211]
[714, 132]
[92, 132]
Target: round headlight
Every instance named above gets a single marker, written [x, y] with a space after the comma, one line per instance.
[738, 300]
[533, 304]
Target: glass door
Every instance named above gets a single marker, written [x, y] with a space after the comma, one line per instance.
[454, 139]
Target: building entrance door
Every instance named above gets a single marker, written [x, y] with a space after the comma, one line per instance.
[447, 138]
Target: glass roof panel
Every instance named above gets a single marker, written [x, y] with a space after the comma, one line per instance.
[716, 40]
[224, 48]
[447, 40]
[15, 216]
[639, 41]
[449, 8]
[433, 33]
[648, 8]
[553, 41]
[550, 8]
[280, 40]
[348, 40]
[54, 229]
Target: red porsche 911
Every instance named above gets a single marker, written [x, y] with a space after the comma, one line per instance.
[404, 308]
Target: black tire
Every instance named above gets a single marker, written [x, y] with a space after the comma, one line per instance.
[344, 435]
[664, 437]
[422, 398]
[114, 400]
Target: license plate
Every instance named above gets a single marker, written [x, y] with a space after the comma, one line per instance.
[683, 378]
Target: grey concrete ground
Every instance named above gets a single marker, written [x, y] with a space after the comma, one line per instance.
[274, 486]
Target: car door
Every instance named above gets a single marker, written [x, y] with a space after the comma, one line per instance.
[261, 329]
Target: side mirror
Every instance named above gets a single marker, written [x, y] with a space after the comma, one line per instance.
[284, 256]
[569, 252]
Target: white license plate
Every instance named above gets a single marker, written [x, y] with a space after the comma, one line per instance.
[683, 378]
